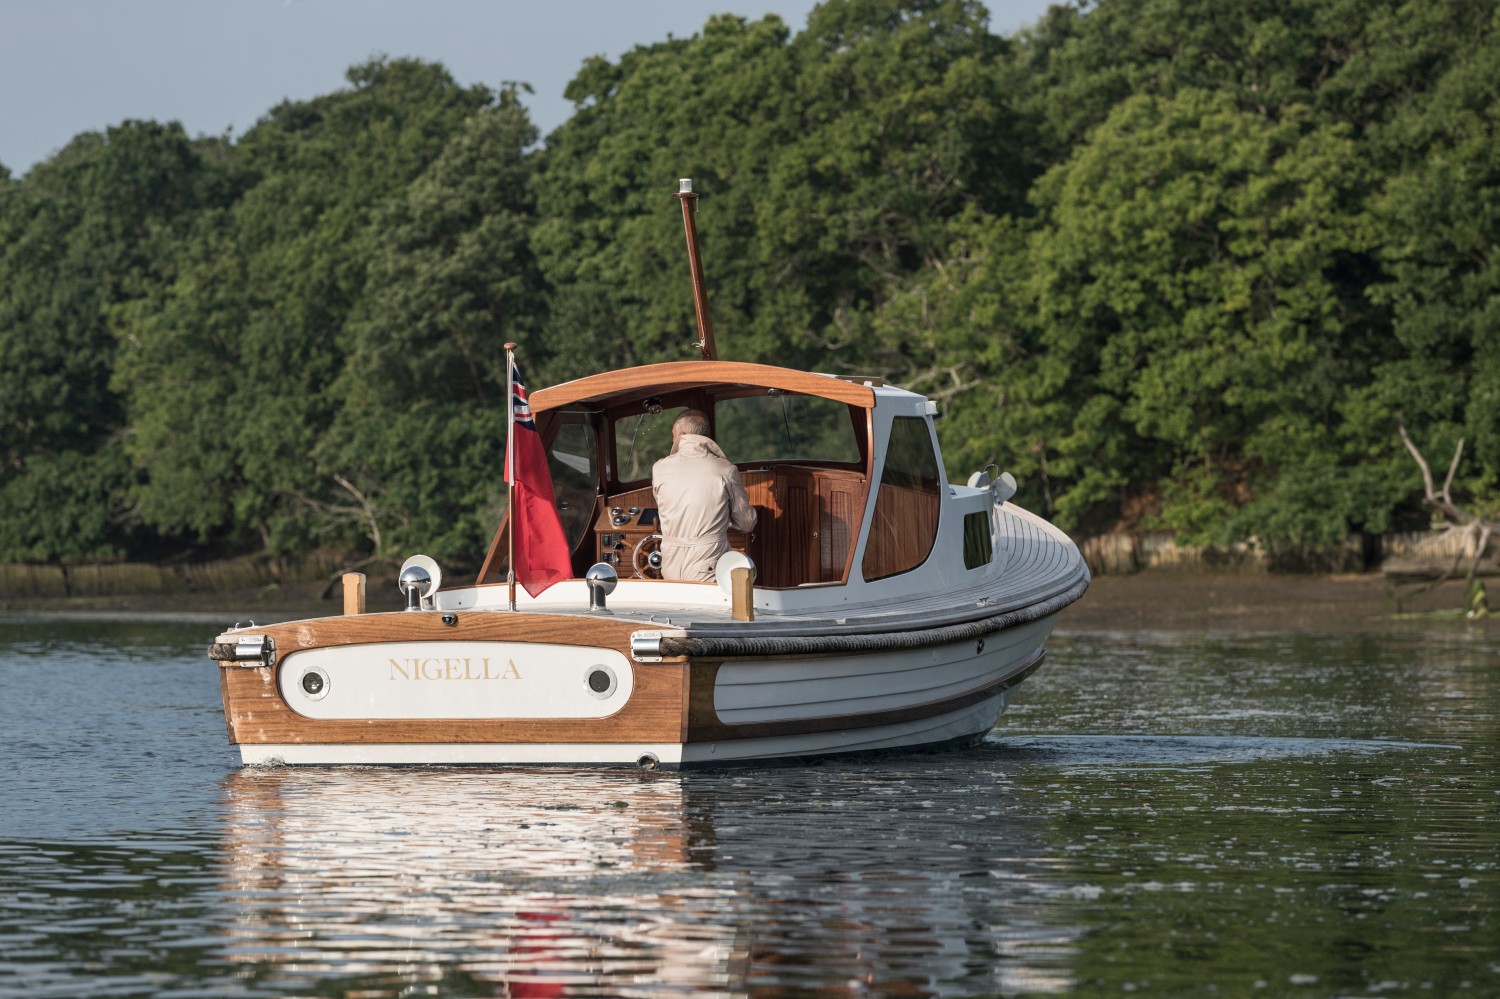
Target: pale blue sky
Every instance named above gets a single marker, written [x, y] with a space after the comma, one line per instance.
[71, 66]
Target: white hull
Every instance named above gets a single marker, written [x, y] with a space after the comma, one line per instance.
[971, 723]
[965, 724]
[666, 755]
[762, 710]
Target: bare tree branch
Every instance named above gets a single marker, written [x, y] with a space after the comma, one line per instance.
[1458, 453]
[1441, 501]
[369, 510]
[360, 511]
[1421, 461]
[1475, 530]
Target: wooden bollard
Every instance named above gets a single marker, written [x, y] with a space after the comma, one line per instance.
[354, 593]
[742, 594]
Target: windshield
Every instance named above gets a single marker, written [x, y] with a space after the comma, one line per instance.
[780, 426]
[575, 480]
[641, 441]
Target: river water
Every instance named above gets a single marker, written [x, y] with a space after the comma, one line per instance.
[1162, 813]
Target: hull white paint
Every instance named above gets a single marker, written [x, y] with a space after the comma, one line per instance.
[455, 679]
[666, 755]
[966, 723]
[971, 722]
[786, 690]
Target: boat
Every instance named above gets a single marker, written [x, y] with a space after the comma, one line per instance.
[874, 607]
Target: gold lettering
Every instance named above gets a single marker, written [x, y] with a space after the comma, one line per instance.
[454, 668]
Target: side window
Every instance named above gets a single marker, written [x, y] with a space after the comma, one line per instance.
[978, 549]
[641, 441]
[905, 522]
[575, 477]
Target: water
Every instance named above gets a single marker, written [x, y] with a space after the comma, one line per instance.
[1175, 814]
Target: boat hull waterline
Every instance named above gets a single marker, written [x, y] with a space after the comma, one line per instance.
[491, 699]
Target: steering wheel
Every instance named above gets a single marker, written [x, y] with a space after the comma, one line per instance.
[647, 551]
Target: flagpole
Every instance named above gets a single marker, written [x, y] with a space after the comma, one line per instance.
[510, 470]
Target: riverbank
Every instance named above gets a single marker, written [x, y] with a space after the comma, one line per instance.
[1265, 602]
[1144, 601]
[279, 601]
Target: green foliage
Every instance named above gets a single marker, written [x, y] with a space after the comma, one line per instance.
[1174, 263]
[237, 374]
[422, 392]
[831, 163]
[89, 230]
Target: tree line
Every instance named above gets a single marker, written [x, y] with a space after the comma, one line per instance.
[1176, 264]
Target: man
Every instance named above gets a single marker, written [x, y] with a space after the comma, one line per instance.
[699, 497]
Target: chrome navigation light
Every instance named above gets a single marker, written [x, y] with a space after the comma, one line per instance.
[419, 581]
[601, 579]
[414, 583]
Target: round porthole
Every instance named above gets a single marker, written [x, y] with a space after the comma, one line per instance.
[601, 681]
[314, 684]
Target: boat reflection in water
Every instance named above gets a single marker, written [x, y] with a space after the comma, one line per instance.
[382, 883]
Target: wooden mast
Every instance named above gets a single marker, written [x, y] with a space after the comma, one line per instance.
[695, 265]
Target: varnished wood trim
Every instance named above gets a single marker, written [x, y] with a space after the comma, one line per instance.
[704, 724]
[903, 530]
[679, 376]
[256, 713]
[224, 693]
[473, 626]
[354, 592]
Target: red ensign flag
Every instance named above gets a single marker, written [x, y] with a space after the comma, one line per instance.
[540, 546]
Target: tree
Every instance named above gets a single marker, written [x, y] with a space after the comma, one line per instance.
[85, 233]
[1438, 220]
[1178, 334]
[831, 164]
[250, 335]
[416, 443]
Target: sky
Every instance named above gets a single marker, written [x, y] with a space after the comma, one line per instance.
[217, 66]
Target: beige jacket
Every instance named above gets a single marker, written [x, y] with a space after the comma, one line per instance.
[699, 497]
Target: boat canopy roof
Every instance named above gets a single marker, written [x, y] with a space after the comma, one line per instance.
[611, 388]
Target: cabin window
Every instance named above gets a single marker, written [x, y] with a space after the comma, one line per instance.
[977, 543]
[641, 440]
[780, 426]
[573, 462]
[904, 526]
